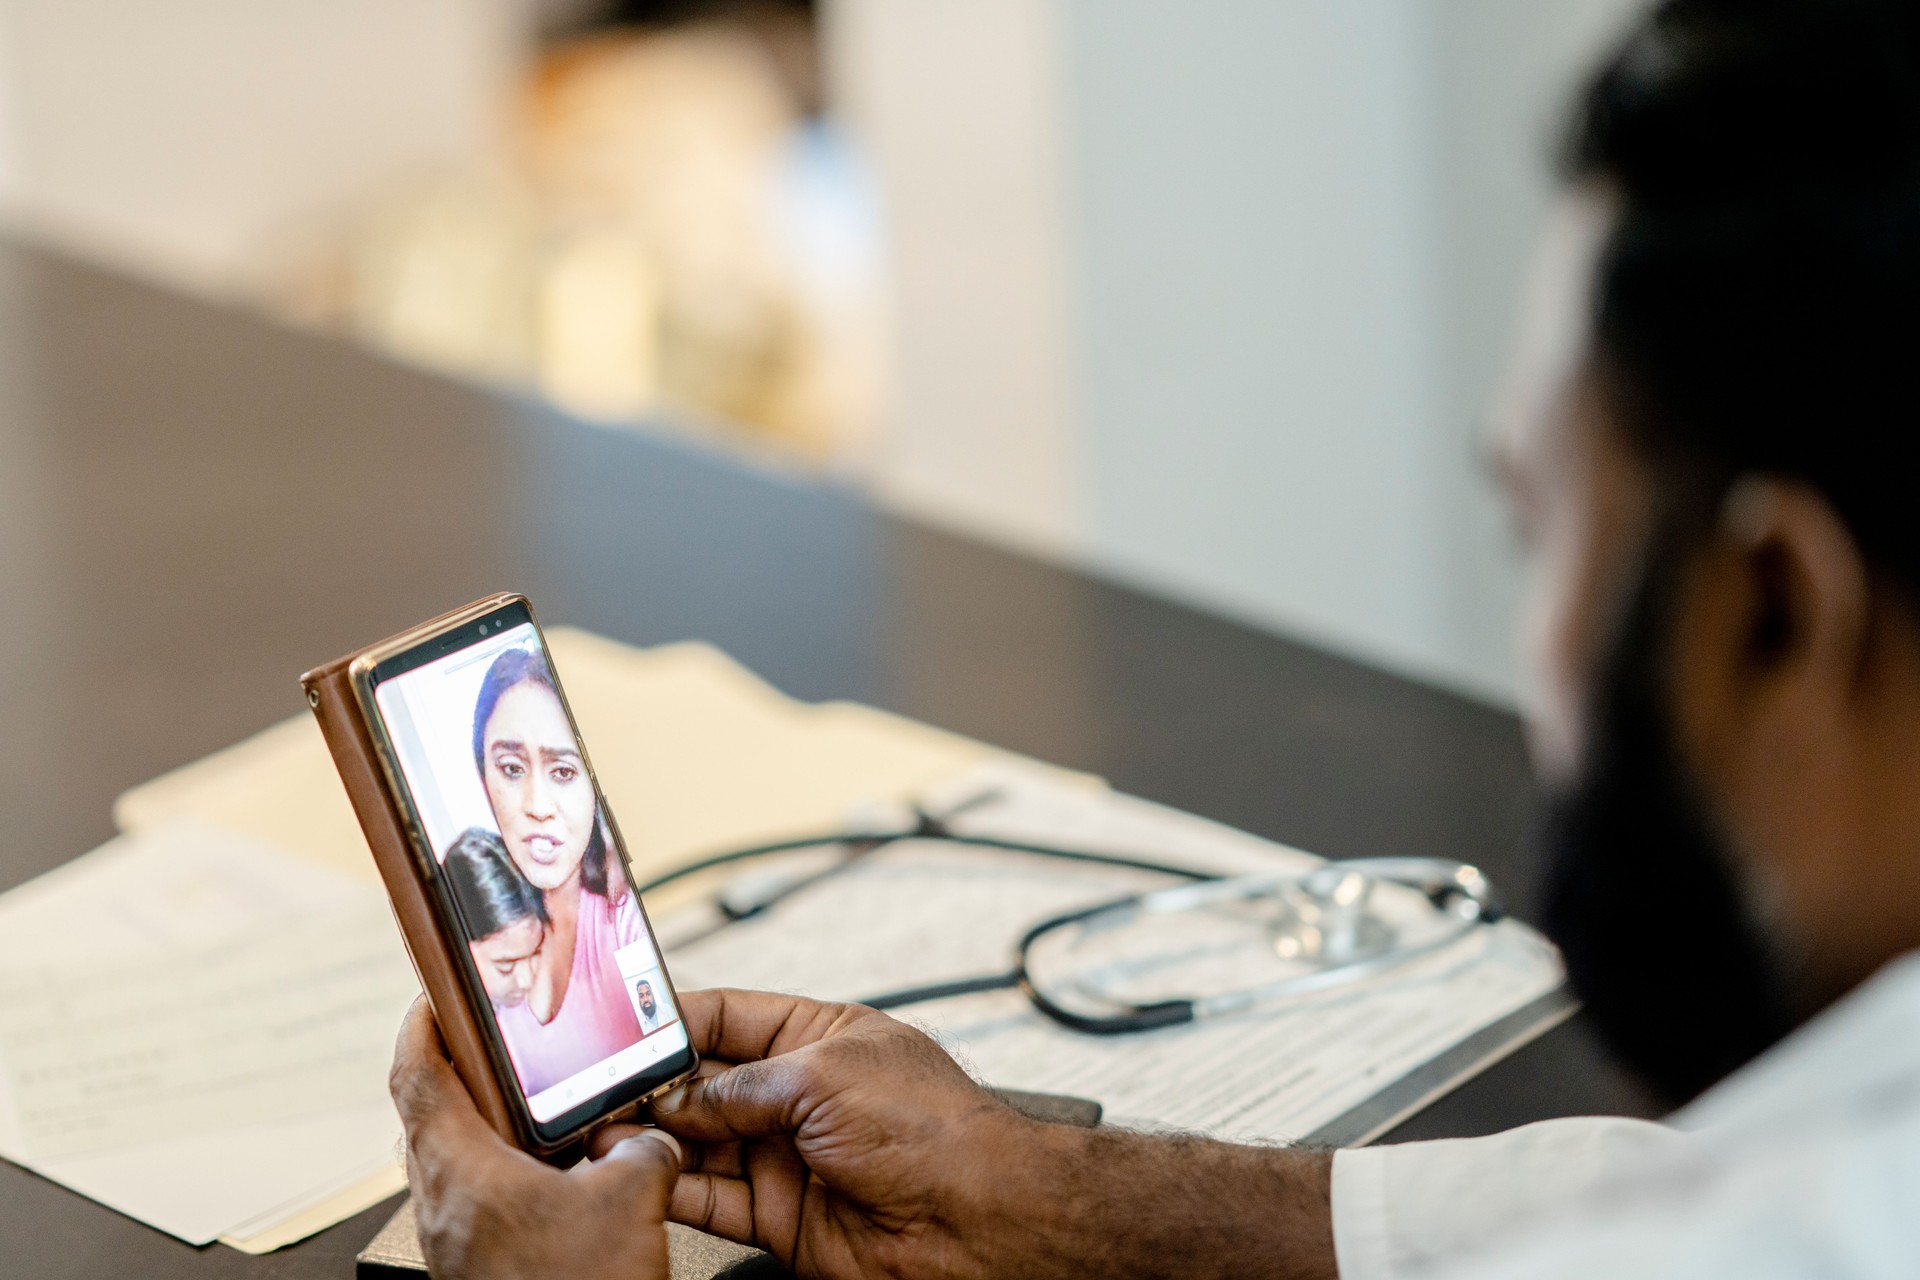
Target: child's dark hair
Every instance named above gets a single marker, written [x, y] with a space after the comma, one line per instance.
[488, 890]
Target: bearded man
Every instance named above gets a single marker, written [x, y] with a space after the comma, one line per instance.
[1700, 440]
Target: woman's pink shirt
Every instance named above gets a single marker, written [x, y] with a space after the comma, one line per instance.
[595, 1019]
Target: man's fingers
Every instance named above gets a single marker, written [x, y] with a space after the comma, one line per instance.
[741, 1026]
[637, 1174]
[604, 1140]
[714, 1157]
[695, 1157]
[715, 1204]
[752, 1100]
[434, 1106]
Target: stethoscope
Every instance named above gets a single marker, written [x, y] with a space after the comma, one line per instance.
[1327, 927]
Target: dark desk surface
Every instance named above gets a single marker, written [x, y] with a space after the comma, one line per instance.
[196, 505]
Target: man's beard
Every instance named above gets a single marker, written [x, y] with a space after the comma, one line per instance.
[1641, 892]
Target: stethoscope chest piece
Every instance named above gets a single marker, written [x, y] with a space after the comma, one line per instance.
[1328, 921]
[1225, 945]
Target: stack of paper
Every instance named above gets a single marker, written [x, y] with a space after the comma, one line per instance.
[168, 1066]
[191, 1030]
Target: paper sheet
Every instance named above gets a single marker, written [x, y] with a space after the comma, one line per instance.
[152, 908]
[279, 1021]
[202, 1187]
[929, 913]
[317, 1209]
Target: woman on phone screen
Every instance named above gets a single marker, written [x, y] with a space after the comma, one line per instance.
[550, 824]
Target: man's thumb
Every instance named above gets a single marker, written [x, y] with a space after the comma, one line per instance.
[640, 1170]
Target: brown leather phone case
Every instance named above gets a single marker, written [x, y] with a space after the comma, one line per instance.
[344, 724]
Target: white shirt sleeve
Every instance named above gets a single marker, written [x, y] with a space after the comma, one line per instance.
[1804, 1163]
[1407, 1209]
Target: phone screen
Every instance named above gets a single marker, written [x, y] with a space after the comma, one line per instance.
[523, 845]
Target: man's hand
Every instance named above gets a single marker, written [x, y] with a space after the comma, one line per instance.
[846, 1143]
[839, 1140]
[487, 1209]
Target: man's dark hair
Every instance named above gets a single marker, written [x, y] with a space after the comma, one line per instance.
[1758, 305]
[488, 890]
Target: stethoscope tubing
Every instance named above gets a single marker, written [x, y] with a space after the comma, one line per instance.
[865, 842]
[1446, 885]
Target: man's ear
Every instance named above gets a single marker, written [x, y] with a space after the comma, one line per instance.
[1812, 591]
[1773, 627]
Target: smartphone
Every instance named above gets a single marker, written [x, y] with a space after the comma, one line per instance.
[509, 877]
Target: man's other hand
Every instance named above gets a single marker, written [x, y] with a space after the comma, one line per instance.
[847, 1144]
[488, 1209]
[844, 1142]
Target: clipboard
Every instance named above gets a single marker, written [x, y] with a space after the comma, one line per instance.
[1337, 1069]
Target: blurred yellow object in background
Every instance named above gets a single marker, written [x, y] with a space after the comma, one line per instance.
[597, 321]
[440, 276]
[665, 235]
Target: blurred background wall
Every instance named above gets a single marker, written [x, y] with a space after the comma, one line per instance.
[1268, 265]
[1205, 295]
[183, 136]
